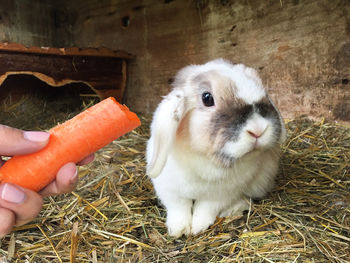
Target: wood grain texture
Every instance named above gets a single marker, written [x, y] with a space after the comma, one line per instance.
[35, 23]
[106, 76]
[300, 48]
[69, 51]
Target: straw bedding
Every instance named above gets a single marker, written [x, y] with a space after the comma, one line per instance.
[114, 216]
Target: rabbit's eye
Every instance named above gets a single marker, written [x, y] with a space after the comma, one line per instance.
[207, 99]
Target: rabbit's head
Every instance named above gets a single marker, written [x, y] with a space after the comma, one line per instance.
[219, 110]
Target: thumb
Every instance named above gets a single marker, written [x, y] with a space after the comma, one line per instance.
[17, 142]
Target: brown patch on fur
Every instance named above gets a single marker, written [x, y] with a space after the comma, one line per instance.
[222, 88]
[264, 100]
[229, 109]
[182, 132]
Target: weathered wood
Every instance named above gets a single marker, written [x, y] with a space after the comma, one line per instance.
[69, 51]
[300, 48]
[104, 72]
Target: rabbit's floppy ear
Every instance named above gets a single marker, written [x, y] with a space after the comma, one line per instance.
[166, 120]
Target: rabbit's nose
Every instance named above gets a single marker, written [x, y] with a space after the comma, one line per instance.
[256, 133]
[256, 126]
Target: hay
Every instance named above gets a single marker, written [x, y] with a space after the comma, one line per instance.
[42, 111]
[114, 216]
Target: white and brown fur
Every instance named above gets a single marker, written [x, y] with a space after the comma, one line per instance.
[205, 161]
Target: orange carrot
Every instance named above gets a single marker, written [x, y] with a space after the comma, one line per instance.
[71, 141]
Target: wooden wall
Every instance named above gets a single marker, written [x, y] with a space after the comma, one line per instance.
[300, 48]
[35, 23]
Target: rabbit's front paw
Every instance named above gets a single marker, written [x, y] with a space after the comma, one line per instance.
[200, 224]
[179, 225]
[204, 215]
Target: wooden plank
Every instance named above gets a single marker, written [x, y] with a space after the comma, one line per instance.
[106, 76]
[71, 51]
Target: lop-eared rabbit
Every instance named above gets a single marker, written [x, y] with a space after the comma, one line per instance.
[215, 140]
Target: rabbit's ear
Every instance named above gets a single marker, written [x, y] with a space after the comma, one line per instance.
[166, 120]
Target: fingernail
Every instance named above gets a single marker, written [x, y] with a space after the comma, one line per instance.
[12, 194]
[36, 136]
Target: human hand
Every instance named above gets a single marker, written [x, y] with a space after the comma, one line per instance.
[18, 205]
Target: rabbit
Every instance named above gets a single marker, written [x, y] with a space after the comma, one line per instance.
[215, 142]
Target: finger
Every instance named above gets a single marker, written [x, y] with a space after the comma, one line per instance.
[87, 159]
[16, 142]
[65, 182]
[7, 219]
[24, 203]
